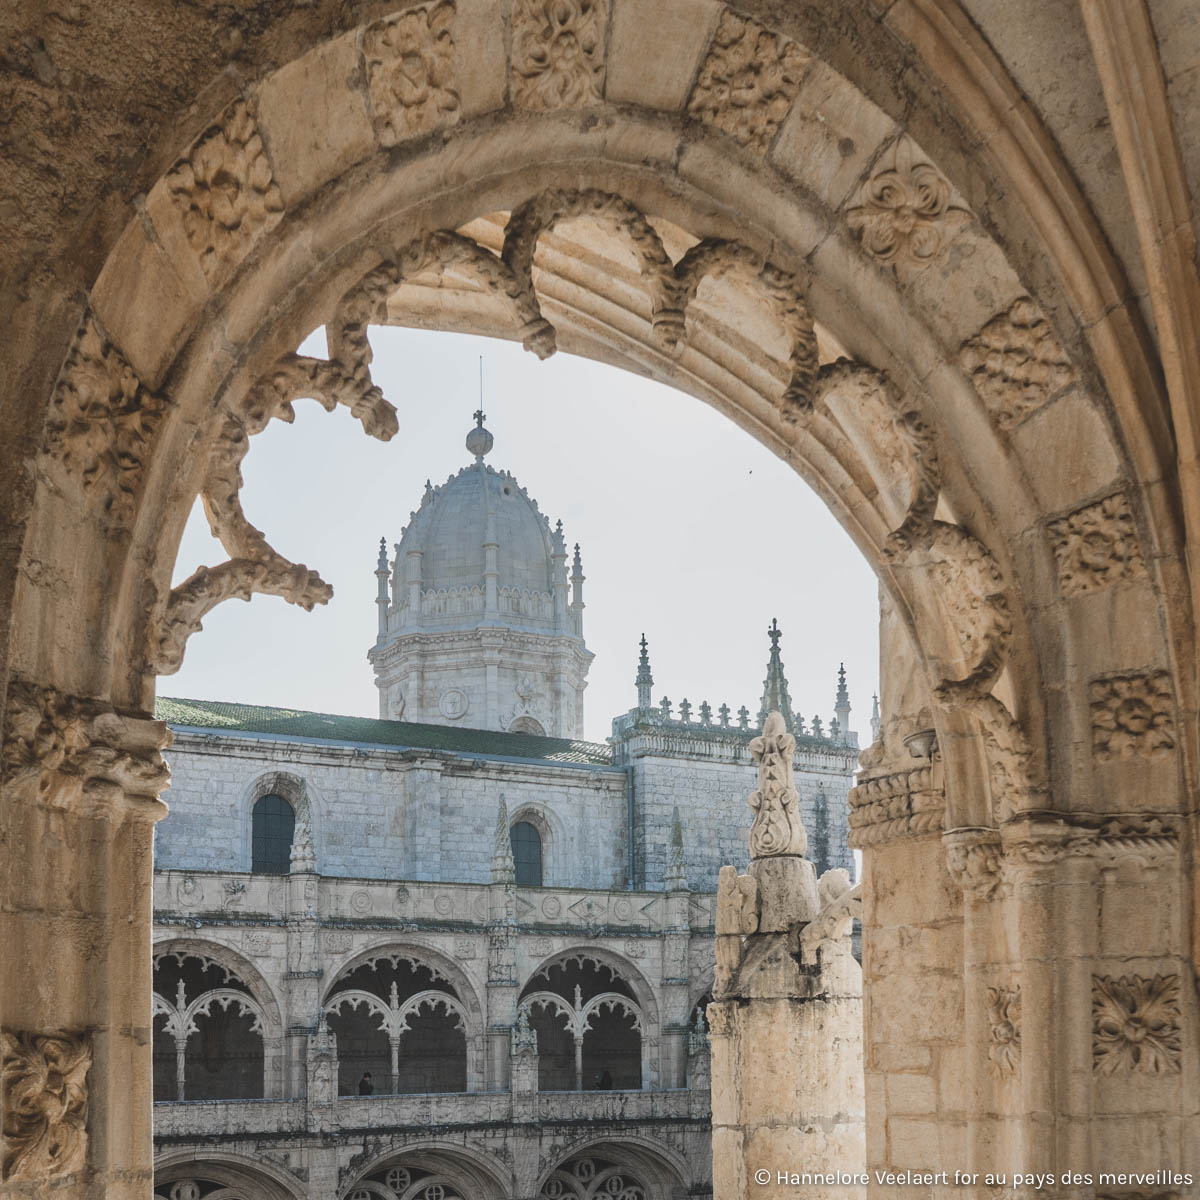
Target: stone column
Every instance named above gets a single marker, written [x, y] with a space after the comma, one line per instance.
[80, 783]
[786, 1017]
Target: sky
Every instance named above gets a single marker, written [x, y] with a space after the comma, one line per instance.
[678, 514]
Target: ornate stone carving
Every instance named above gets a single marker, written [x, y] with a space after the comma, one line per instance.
[1096, 546]
[1016, 363]
[43, 1078]
[410, 69]
[716, 258]
[66, 752]
[896, 805]
[777, 828]
[841, 905]
[973, 857]
[254, 566]
[1135, 1024]
[737, 902]
[1004, 1031]
[904, 217]
[558, 53]
[102, 422]
[1132, 714]
[748, 81]
[226, 191]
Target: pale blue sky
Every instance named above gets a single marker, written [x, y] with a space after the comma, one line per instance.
[690, 530]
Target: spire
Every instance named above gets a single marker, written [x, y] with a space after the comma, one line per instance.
[875, 718]
[577, 578]
[644, 681]
[676, 874]
[503, 868]
[841, 706]
[382, 599]
[775, 690]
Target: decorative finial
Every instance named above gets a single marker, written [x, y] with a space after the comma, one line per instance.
[479, 440]
[775, 696]
[777, 828]
[503, 867]
[843, 694]
[644, 680]
[381, 564]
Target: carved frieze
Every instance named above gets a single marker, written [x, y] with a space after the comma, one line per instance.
[410, 69]
[1004, 1031]
[896, 805]
[558, 53]
[226, 191]
[1097, 546]
[1016, 363]
[748, 81]
[904, 217]
[973, 857]
[1135, 1024]
[1132, 714]
[101, 424]
[43, 1079]
[66, 752]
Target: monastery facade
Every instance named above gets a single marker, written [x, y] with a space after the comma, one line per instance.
[506, 930]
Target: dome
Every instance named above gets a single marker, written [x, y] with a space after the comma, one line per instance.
[452, 525]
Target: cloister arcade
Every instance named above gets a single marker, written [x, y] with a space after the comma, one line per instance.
[938, 254]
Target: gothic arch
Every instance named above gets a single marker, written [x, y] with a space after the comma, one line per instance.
[266, 1181]
[663, 1168]
[643, 991]
[490, 1179]
[177, 335]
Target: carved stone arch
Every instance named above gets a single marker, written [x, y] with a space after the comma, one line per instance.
[440, 962]
[235, 962]
[666, 1169]
[491, 1179]
[644, 992]
[232, 1170]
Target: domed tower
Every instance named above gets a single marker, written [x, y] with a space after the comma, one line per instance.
[479, 624]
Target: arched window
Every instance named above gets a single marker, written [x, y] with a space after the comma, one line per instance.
[527, 854]
[274, 822]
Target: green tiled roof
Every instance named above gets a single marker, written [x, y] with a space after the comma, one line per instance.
[220, 716]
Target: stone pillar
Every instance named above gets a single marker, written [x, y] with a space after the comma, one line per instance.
[786, 1017]
[81, 784]
[502, 966]
[302, 979]
[524, 1068]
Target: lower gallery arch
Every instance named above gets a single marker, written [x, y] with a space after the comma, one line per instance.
[632, 1169]
[184, 1176]
[431, 1172]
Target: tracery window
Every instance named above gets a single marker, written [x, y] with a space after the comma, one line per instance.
[273, 824]
[404, 1182]
[587, 1178]
[589, 1026]
[400, 1021]
[527, 854]
[208, 1031]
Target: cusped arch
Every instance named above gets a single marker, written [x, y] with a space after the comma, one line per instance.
[263, 1180]
[237, 964]
[643, 991]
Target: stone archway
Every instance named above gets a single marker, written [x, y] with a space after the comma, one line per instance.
[991, 434]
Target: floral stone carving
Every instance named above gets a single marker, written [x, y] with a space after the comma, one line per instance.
[558, 53]
[1016, 363]
[1004, 1034]
[226, 190]
[1132, 714]
[410, 67]
[1097, 546]
[777, 827]
[748, 81]
[904, 218]
[102, 423]
[44, 1080]
[1135, 1024]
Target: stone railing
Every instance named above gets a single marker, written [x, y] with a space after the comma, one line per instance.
[191, 1119]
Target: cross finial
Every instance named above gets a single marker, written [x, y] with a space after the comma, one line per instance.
[773, 633]
[479, 416]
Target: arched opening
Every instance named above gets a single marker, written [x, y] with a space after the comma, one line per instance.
[527, 725]
[399, 1021]
[208, 1031]
[588, 1024]
[273, 826]
[527, 854]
